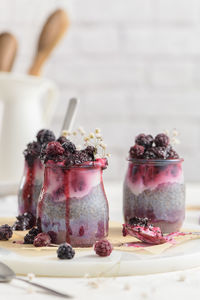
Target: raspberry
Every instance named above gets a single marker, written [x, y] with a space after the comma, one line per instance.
[45, 136]
[160, 152]
[162, 140]
[42, 240]
[62, 139]
[144, 140]
[24, 222]
[65, 251]
[136, 151]
[69, 146]
[29, 237]
[103, 248]
[32, 152]
[150, 154]
[139, 221]
[171, 153]
[5, 232]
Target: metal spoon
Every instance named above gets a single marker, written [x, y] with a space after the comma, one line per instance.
[7, 274]
[70, 114]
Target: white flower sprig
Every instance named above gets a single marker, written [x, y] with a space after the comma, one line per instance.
[93, 139]
[173, 136]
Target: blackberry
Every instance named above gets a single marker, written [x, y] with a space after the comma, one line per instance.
[160, 152]
[62, 139]
[5, 232]
[65, 251]
[45, 136]
[150, 154]
[42, 240]
[24, 222]
[69, 146]
[136, 151]
[144, 140]
[171, 153]
[29, 237]
[32, 152]
[91, 151]
[161, 140]
[135, 221]
[103, 248]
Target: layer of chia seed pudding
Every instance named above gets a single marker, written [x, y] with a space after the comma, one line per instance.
[154, 184]
[88, 217]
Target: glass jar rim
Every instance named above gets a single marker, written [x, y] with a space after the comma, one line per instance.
[85, 165]
[142, 161]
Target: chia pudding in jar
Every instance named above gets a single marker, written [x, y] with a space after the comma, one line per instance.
[73, 206]
[154, 183]
[33, 175]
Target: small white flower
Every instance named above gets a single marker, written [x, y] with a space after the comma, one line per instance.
[91, 135]
[108, 154]
[98, 136]
[79, 147]
[86, 139]
[166, 132]
[65, 133]
[97, 130]
[81, 130]
[175, 132]
[102, 145]
[74, 133]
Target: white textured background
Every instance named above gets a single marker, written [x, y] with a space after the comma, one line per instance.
[134, 64]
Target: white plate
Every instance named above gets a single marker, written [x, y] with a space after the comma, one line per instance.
[180, 257]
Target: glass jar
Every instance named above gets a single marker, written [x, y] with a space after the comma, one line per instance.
[73, 205]
[155, 189]
[30, 187]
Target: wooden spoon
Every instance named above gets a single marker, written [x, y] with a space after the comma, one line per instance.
[52, 32]
[8, 50]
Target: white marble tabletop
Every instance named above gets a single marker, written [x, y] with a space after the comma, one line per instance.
[177, 285]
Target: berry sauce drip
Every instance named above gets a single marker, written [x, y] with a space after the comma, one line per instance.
[27, 194]
[67, 196]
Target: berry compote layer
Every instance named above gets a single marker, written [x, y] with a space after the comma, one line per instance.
[154, 185]
[73, 204]
[32, 178]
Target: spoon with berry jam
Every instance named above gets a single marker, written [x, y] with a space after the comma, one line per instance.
[147, 233]
[7, 274]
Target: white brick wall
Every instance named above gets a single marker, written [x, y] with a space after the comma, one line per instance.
[134, 64]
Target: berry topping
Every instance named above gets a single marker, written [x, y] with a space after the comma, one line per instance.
[69, 146]
[144, 140]
[62, 139]
[171, 153]
[150, 154]
[5, 232]
[162, 140]
[103, 248]
[45, 136]
[24, 222]
[91, 151]
[29, 237]
[53, 151]
[136, 151]
[65, 251]
[42, 240]
[160, 152]
[32, 152]
[139, 221]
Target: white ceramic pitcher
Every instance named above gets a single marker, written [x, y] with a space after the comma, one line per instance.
[27, 105]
